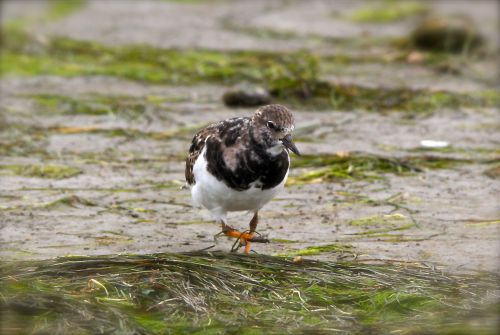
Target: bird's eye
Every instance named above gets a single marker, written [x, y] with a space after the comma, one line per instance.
[271, 125]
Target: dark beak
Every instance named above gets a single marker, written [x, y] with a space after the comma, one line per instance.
[287, 142]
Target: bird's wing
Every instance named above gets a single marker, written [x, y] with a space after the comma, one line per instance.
[195, 150]
[226, 133]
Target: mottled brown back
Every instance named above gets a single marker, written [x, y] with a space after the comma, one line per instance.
[237, 149]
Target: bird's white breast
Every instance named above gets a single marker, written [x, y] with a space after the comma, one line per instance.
[217, 197]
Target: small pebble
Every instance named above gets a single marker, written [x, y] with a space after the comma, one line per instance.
[246, 95]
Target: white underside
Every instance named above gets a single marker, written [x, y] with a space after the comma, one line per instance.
[219, 199]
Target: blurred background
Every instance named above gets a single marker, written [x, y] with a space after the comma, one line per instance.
[396, 105]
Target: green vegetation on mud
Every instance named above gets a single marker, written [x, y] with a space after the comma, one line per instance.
[210, 293]
[69, 201]
[348, 97]
[188, 1]
[20, 140]
[377, 225]
[388, 11]
[366, 166]
[66, 57]
[99, 104]
[320, 249]
[54, 11]
[51, 171]
[294, 77]
[466, 151]
[62, 8]
[334, 167]
[181, 132]
[72, 106]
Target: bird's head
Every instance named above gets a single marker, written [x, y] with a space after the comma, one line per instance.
[273, 125]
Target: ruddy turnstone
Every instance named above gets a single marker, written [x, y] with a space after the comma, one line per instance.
[240, 164]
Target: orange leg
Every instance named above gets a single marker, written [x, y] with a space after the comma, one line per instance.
[253, 228]
[243, 237]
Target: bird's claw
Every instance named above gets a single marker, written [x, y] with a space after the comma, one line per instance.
[244, 239]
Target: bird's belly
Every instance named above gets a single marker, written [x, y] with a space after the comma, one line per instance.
[212, 193]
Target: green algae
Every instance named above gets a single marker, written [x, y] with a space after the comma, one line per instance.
[55, 10]
[293, 77]
[71, 106]
[189, 1]
[363, 166]
[440, 162]
[372, 162]
[69, 201]
[283, 240]
[22, 140]
[358, 166]
[264, 33]
[191, 222]
[342, 249]
[482, 224]
[397, 201]
[467, 151]
[66, 57]
[59, 9]
[211, 293]
[106, 240]
[415, 101]
[390, 219]
[376, 225]
[50, 171]
[388, 11]
[115, 105]
[179, 133]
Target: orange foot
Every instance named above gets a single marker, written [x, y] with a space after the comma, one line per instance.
[243, 239]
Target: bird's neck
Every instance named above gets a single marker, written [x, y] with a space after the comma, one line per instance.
[264, 145]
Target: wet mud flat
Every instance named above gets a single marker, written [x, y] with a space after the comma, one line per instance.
[94, 135]
[111, 182]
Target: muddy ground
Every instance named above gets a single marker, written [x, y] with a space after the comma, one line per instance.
[107, 179]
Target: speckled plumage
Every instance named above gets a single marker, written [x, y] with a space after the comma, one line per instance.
[241, 163]
[237, 150]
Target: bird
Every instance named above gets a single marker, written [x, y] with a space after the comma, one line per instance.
[240, 164]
